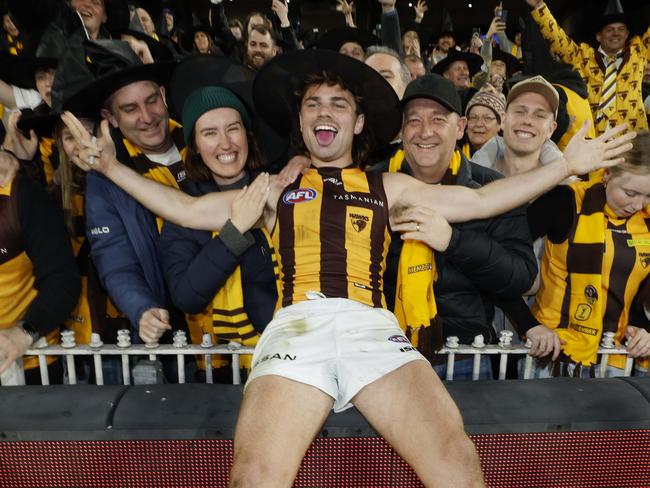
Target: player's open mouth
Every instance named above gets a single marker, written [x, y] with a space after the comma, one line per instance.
[325, 134]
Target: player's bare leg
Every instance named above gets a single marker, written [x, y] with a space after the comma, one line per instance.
[277, 423]
[413, 411]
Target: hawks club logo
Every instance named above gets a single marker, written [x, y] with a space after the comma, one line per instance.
[359, 222]
[299, 195]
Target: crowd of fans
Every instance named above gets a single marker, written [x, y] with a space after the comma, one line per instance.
[470, 116]
[244, 180]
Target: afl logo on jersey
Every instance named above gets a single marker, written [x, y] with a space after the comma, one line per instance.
[299, 195]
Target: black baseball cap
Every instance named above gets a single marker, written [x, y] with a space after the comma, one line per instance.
[436, 88]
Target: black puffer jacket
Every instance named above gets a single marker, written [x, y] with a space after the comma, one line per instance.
[485, 258]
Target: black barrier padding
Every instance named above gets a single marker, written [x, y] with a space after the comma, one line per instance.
[199, 411]
[552, 405]
[190, 410]
[643, 387]
[64, 412]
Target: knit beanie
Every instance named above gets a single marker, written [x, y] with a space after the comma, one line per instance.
[494, 101]
[208, 98]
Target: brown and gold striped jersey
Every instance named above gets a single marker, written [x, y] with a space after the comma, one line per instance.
[332, 236]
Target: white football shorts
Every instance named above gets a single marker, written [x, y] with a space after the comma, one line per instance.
[334, 344]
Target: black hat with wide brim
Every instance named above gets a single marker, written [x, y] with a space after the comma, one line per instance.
[20, 70]
[72, 76]
[203, 70]
[333, 39]
[276, 84]
[187, 39]
[159, 51]
[114, 65]
[614, 18]
[512, 64]
[474, 62]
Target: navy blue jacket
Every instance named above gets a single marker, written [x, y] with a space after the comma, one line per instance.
[124, 245]
[196, 265]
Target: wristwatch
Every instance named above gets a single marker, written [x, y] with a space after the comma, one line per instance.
[30, 330]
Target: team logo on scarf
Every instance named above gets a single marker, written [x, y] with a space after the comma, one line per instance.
[591, 294]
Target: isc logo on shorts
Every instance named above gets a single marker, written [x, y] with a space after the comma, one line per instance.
[299, 195]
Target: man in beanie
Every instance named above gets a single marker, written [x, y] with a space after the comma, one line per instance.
[614, 72]
[333, 344]
[475, 260]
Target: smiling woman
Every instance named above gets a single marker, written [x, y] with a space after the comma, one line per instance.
[224, 281]
[593, 268]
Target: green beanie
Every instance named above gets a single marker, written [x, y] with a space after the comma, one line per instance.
[207, 98]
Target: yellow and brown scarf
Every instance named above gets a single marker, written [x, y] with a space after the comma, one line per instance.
[415, 304]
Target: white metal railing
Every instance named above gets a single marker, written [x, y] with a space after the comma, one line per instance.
[68, 349]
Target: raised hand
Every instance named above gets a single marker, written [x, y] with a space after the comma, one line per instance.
[497, 25]
[346, 8]
[424, 225]
[420, 9]
[387, 5]
[281, 9]
[248, 206]
[544, 341]
[24, 148]
[584, 156]
[90, 152]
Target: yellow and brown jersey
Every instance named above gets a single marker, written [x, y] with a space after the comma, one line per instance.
[590, 279]
[332, 236]
[170, 175]
[17, 290]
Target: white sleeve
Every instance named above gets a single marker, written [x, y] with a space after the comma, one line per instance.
[490, 153]
[549, 153]
[26, 98]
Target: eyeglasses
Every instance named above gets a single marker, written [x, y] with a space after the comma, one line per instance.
[486, 119]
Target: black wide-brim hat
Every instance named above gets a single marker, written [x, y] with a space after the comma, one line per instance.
[276, 84]
[115, 65]
[333, 39]
[621, 17]
[71, 76]
[187, 39]
[159, 51]
[20, 70]
[474, 62]
[203, 70]
[512, 64]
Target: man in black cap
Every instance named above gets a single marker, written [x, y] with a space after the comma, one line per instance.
[476, 260]
[333, 344]
[614, 72]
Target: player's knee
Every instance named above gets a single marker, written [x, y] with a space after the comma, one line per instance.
[258, 473]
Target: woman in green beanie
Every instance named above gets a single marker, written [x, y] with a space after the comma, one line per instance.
[225, 281]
